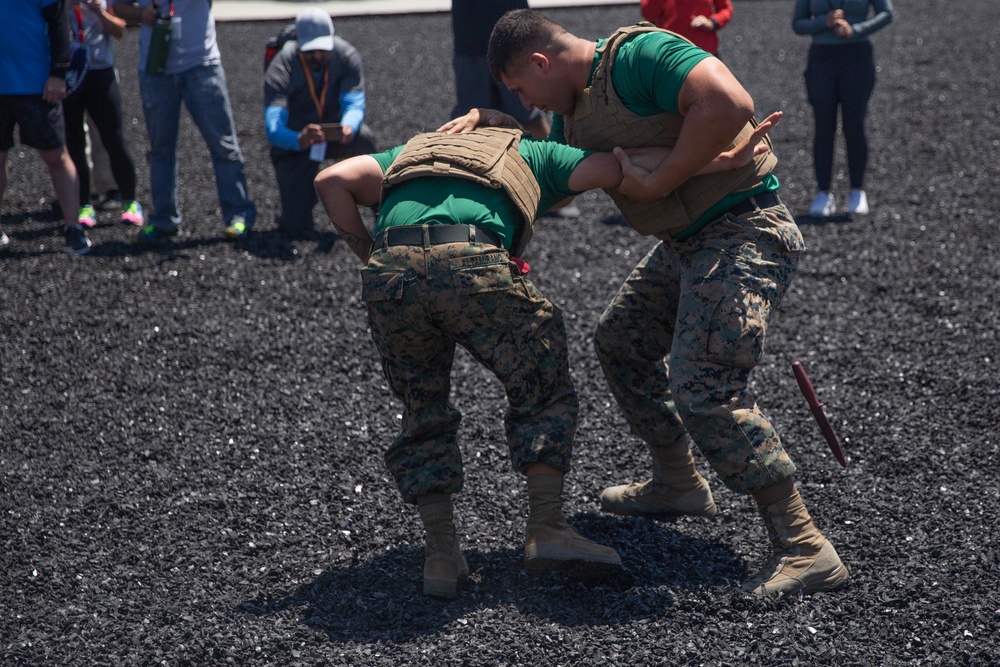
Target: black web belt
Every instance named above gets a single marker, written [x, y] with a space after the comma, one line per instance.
[427, 235]
[751, 204]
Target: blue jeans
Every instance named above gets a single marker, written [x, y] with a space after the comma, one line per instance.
[203, 90]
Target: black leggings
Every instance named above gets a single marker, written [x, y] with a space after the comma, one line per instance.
[100, 96]
[840, 75]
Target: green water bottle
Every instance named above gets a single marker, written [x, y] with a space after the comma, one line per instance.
[159, 42]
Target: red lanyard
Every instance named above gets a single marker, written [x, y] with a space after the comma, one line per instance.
[79, 23]
[320, 101]
[157, 7]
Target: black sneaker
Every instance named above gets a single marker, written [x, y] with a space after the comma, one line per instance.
[109, 201]
[152, 233]
[76, 240]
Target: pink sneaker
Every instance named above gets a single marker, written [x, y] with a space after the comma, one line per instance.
[87, 217]
[132, 214]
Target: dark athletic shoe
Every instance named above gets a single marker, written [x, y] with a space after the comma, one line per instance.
[237, 228]
[77, 242]
[151, 234]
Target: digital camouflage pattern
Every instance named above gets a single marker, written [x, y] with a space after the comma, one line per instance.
[680, 339]
[422, 301]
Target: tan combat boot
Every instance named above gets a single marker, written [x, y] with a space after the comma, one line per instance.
[675, 488]
[803, 560]
[445, 565]
[552, 544]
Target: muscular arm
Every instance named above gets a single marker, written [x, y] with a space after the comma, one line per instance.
[343, 187]
[715, 107]
[637, 163]
[598, 171]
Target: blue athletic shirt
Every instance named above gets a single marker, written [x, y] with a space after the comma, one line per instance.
[24, 50]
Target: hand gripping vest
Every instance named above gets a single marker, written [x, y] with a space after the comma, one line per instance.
[601, 121]
[487, 155]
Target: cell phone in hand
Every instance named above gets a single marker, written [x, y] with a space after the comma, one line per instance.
[332, 131]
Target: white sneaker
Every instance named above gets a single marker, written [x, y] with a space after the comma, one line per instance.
[857, 202]
[823, 205]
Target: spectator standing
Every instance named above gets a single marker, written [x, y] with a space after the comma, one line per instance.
[104, 191]
[193, 75]
[698, 20]
[471, 24]
[315, 80]
[840, 74]
[34, 57]
[94, 27]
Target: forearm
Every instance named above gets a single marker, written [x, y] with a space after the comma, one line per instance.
[353, 105]
[277, 130]
[343, 187]
[804, 23]
[113, 25]
[649, 159]
[343, 212]
[723, 14]
[882, 18]
[59, 41]
[130, 12]
[702, 139]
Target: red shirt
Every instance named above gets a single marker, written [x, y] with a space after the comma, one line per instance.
[676, 15]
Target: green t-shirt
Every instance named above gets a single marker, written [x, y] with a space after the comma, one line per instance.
[435, 200]
[648, 75]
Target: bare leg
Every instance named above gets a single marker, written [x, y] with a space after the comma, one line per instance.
[3, 176]
[63, 174]
[3, 188]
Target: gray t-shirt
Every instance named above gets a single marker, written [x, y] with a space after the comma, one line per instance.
[100, 45]
[285, 84]
[196, 46]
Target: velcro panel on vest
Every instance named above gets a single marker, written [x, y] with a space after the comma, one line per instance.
[601, 121]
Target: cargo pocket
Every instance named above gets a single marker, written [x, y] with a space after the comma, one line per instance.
[481, 273]
[381, 285]
[737, 330]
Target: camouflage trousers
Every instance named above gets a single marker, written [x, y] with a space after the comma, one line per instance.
[422, 302]
[678, 342]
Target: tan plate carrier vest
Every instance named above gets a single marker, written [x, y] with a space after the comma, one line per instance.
[601, 121]
[487, 155]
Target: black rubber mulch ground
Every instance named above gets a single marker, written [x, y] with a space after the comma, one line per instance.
[191, 435]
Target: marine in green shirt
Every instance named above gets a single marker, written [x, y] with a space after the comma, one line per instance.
[680, 339]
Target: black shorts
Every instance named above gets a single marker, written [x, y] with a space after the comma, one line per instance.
[41, 124]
